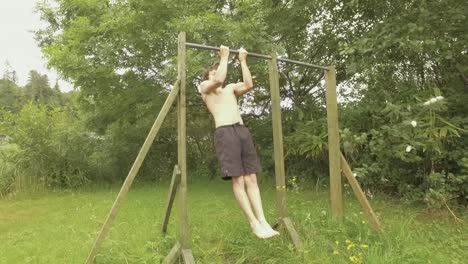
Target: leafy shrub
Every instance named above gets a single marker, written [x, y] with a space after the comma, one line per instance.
[413, 152]
[8, 171]
[55, 148]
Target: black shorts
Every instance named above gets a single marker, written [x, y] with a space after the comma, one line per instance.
[235, 151]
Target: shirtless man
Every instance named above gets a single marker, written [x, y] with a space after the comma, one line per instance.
[235, 150]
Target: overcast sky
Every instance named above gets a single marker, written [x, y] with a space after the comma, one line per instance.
[17, 45]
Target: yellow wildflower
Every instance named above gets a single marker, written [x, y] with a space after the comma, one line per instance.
[336, 252]
[337, 242]
[350, 246]
[364, 246]
[355, 260]
[348, 241]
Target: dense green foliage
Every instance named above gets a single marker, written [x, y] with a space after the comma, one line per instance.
[35, 135]
[53, 148]
[391, 59]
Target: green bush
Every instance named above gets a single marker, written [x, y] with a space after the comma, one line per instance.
[8, 171]
[415, 152]
[55, 147]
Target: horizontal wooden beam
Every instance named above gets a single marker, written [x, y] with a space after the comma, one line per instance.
[256, 55]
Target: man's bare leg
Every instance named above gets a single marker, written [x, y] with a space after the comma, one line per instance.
[238, 185]
[253, 192]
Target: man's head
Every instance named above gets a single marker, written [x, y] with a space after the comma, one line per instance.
[210, 72]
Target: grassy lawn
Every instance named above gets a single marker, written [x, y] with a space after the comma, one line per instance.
[60, 227]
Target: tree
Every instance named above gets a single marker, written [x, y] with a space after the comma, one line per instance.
[39, 91]
[10, 94]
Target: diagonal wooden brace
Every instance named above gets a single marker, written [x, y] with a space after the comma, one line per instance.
[346, 170]
[171, 197]
[287, 223]
[173, 254]
[133, 172]
[177, 252]
[188, 256]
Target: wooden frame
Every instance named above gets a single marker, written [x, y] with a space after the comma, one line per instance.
[338, 163]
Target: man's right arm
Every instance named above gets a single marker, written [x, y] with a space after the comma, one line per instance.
[210, 85]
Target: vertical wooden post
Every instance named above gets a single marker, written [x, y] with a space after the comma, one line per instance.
[336, 196]
[182, 246]
[277, 138]
[182, 146]
[280, 177]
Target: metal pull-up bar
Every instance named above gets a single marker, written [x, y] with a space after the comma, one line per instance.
[256, 55]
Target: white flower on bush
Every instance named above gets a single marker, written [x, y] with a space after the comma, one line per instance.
[414, 123]
[354, 174]
[433, 100]
[409, 148]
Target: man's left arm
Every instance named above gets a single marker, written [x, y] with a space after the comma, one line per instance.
[247, 84]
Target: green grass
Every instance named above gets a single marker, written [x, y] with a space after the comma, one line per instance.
[60, 227]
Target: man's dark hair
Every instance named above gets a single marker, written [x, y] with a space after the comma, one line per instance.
[206, 73]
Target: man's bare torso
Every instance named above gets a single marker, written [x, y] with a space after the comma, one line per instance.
[222, 103]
